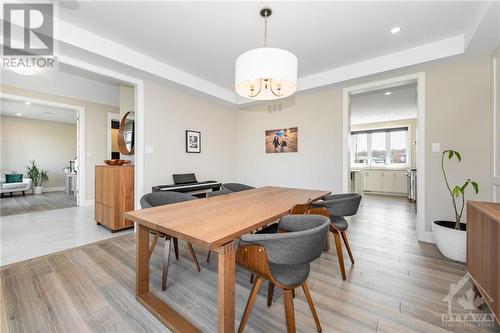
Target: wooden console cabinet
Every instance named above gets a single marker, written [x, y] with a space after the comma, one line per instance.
[114, 195]
[483, 250]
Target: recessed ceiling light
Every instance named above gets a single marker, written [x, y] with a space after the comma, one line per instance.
[387, 93]
[19, 114]
[395, 30]
[27, 103]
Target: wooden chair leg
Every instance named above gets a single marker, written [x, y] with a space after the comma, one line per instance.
[340, 255]
[289, 312]
[208, 255]
[311, 306]
[270, 292]
[293, 293]
[347, 246]
[250, 302]
[193, 256]
[252, 276]
[153, 244]
[176, 248]
[166, 258]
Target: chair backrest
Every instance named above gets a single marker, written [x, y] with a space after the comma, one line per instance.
[220, 192]
[164, 198]
[237, 187]
[345, 204]
[302, 243]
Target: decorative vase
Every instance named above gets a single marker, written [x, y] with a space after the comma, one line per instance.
[450, 241]
[37, 189]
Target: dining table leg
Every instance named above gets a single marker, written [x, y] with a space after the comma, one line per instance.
[175, 321]
[226, 284]
[142, 261]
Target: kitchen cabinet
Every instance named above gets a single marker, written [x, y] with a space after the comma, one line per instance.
[385, 181]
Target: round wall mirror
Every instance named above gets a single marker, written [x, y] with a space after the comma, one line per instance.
[126, 133]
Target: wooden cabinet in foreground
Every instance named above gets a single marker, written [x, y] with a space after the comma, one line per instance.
[483, 250]
[114, 195]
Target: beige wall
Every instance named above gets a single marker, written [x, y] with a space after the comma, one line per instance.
[396, 123]
[168, 114]
[95, 129]
[317, 164]
[50, 144]
[458, 115]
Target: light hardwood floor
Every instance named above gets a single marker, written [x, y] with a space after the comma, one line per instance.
[19, 204]
[396, 285]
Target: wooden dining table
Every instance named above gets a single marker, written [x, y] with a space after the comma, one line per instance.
[212, 224]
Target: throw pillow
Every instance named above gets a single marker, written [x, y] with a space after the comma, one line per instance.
[14, 178]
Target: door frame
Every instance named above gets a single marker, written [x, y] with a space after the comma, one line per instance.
[138, 84]
[419, 79]
[80, 136]
[496, 134]
[111, 116]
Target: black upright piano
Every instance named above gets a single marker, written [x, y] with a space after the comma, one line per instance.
[187, 183]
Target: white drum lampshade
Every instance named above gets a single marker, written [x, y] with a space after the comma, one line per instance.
[266, 73]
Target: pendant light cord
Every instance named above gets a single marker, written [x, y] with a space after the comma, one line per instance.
[265, 29]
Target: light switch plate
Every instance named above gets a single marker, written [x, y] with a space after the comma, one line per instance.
[148, 149]
[436, 147]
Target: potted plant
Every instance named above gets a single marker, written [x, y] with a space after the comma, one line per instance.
[450, 235]
[38, 176]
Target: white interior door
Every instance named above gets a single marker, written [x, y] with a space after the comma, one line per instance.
[496, 127]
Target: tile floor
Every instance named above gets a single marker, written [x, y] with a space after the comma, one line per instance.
[35, 234]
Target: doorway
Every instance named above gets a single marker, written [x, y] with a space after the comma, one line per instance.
[51, 139]
[383, 145]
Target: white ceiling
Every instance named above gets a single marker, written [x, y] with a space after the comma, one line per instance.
[11, 108]
[205, 38]
[375, 106]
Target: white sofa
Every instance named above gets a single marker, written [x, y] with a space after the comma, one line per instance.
[11, 188]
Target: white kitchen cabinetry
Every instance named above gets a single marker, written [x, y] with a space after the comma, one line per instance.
[372, 180]
[386, 181]
[400, 182]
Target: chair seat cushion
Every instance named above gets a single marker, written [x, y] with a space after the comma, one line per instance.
[339, 223]
[11, 186]
[290, 275]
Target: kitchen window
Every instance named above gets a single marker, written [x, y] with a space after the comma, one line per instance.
[380, 148]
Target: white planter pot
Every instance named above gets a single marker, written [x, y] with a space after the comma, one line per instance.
[450, 242]
[37, 189]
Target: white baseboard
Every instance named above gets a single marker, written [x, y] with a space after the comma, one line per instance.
[54, 189]
[87, 203]
[427, 237]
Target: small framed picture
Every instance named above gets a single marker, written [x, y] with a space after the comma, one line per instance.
[193, 141]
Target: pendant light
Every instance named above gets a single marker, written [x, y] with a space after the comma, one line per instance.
[266, 73]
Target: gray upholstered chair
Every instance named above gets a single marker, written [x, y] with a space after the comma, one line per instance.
[237, 187]
[284, 260]
[166, 198]
[336, 207]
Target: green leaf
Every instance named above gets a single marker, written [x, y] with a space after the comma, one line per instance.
[475, 186]
[457, 154]
[457, 191]
[464, 186]
[450, 154]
